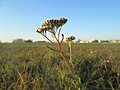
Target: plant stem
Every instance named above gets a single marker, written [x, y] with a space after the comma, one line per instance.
[70, 46]
[62, 38]
[66, 62]
[59, 33]
[47, 38]
[59, 48]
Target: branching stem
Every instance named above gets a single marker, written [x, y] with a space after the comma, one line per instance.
[59, 33]
[59, 48]
[47, 38]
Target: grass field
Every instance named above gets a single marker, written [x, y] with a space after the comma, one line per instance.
[32, 66]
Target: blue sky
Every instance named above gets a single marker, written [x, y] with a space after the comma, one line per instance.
[87, 19]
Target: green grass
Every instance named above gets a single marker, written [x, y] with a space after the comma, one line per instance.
[32, 66]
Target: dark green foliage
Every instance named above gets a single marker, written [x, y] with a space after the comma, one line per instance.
[32, 66]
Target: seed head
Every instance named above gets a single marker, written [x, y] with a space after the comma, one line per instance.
[51, 24]
[70, 39]
[41, 30]
[62, 21]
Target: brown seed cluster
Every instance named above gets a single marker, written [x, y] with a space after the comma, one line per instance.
[50, 25]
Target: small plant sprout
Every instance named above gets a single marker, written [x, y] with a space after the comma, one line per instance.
[69, 40]
[54, 26]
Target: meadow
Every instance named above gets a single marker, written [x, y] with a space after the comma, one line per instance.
[32, 66]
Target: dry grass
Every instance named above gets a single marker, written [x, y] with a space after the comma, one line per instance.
[31, 66]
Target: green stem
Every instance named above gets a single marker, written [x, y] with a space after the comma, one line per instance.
[70, 46]
[59, 33]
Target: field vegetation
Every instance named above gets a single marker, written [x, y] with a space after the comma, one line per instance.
[32, 66]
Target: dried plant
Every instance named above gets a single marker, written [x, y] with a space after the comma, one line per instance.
[54, 26]
[69, 40]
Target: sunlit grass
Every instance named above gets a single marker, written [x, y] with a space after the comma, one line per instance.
[32, 66]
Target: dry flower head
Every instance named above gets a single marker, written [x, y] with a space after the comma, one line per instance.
[51, 24]
[70, 39]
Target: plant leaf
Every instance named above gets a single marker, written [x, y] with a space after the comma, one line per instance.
[53, 49]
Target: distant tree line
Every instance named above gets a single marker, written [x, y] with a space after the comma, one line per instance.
[21, 40]
[27, 41]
